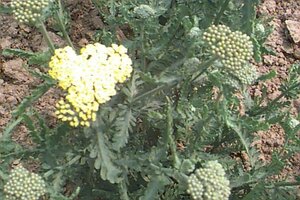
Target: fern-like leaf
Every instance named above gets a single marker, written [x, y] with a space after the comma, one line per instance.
[249, 14]
[257, 192]
[125, 121]
[17, 52]
[104, 159]
[35, 95]
[156, 185]
[252, 153]
[123, 124]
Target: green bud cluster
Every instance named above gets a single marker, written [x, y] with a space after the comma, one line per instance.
[144, 11]
[209, 183]
[194, 32]
[23, 185]
[234, 48]
[248, 75]
[192, 62]
[28, 11]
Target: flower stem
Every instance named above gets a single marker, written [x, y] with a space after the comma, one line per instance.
[174, 82]
[205, 66]
[62, 26]
[286, 184]
[170, 139]
[3, 176]
[44, 32]
[143, 47]
[123, 190]
[10, 127]
[170, 172]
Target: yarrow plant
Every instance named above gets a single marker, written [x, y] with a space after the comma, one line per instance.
[89, 79]
[24, 185]
[209, 183]
[148, 118]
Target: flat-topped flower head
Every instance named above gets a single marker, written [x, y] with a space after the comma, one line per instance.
[23, 185]
[234, 50]
[29, 11]
[89, 79]
[228, 44]
[209, 183]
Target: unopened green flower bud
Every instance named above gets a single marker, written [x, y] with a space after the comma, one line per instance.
[24, 185]
[234, 50]
[247, 75]
[192, 62]
[144, 11]
[194, 32]
[29, 11]
[228, 44]
[209, 183]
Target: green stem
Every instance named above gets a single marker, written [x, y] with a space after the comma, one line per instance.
[282, 184]
[123, 190]
[149, 93]
[20, 153]
[44, 32]
[9, 128]
[68, 164]
[97, 5]
[274, 101]
[75, 193]
[204, 66]
[207, 120]
[62, 26]
[112, 8]
[174, 82]
[3, 176]
[221, 12]
[143, 47]
[286, 184]
[170, 139]
[170, 172]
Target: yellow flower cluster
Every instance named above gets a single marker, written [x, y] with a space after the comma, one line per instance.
[89, 79]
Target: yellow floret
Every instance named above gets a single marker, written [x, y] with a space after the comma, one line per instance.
[89, 79]
[94, 117]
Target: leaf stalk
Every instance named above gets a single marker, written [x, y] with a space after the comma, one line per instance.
[204, 66]
[170, 139]
[59, 16]
[274, 101]
[44, 32]
[221, 12]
